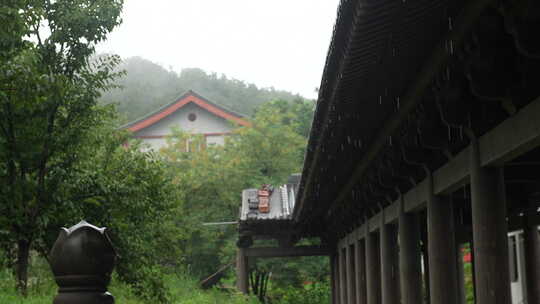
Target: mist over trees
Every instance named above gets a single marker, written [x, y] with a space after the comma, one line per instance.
[146, 86]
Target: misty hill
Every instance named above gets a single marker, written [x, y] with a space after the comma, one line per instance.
[147, 86]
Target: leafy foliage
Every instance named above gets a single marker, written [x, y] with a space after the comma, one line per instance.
[48, 107]
[211, 180]
[61, 158]
[312, 293]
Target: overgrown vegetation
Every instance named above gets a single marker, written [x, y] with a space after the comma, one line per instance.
[213, 178]
[62, 160]
[182, 289]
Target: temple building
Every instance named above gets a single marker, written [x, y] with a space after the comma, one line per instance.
[191, 113]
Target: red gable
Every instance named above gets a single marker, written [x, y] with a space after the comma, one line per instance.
[189, 97]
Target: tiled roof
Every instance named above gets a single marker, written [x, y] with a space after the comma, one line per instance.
[181, 101]
[281, 204]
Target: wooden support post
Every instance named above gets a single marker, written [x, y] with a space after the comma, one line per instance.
[334, 278]
[389, 282]
[342, 277]
[242, 282]
[425, 259]
[351, 277]
[360, 263]
[410, 259]
[532, 263]
[460, 272]
[488, 204]
[373, 269]
[442, 249]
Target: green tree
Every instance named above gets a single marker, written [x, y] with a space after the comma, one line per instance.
[48, 94]
[130, 193]
[210, 180]
[147, 86]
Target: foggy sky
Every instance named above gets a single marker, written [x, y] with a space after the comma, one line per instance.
[279, 43]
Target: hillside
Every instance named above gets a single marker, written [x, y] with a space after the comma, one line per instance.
[147, 86]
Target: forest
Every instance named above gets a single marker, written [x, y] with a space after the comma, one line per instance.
[146, 86]
[63, 159]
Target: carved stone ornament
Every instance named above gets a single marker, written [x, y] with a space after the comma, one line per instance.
[82, 260]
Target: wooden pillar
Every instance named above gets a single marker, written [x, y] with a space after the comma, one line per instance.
[351, 276]
[360, 263]
[425, 259]
[488, 204]
[389, 282]
[342, 277]
[373, 269]
[410, 259]
[242, 282]
[460, 272]
[442, 249]
[532, 263]
[334, 275]
[473, 262]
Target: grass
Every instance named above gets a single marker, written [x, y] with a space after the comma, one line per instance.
[183, 290]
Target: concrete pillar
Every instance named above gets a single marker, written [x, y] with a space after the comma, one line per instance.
[532, 263]
[389, 281]
[242, 271]
[360, 263]
[342, 277]
[351, 275]
[488, 204]
[373, 269]
[441, 249]
[410, 259]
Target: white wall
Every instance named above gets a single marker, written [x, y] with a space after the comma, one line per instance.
[204, 123]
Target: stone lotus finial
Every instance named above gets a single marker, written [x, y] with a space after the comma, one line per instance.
[82, 260]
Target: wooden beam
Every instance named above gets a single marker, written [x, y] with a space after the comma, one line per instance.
[513, 137]
[281, 252]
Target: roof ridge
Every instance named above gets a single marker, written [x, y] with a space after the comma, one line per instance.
[187, 93]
